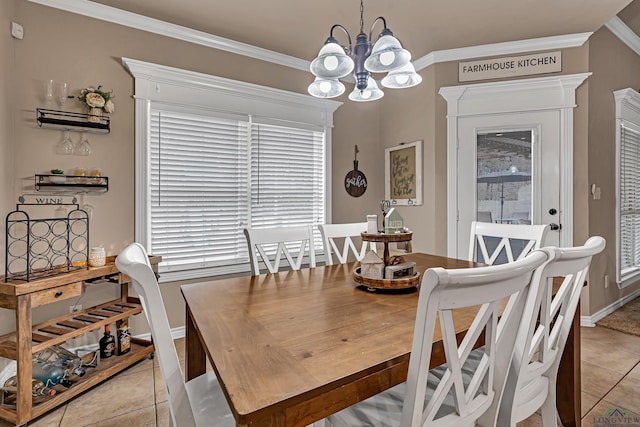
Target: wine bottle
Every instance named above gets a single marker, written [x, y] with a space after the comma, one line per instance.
[49, 374]
[37, 387]
[107, 344]
[124, 336]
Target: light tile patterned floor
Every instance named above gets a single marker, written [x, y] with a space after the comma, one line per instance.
[136, 397]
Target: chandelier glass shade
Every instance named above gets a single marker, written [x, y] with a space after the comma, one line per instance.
[386, 55]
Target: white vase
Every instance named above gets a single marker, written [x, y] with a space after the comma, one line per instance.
[95, 115]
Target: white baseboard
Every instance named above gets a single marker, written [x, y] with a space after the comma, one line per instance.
[601, 314]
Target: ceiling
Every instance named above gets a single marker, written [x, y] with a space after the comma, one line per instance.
[299, 28]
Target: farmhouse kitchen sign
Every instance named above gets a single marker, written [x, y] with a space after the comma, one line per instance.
[511, 66]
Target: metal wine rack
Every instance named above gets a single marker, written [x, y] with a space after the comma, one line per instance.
[43, 247]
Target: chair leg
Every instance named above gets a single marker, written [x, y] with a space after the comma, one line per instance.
[549, 411]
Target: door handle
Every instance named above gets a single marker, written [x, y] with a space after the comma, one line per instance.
[555, 226]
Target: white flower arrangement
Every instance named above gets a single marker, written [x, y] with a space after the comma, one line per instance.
[97, 98]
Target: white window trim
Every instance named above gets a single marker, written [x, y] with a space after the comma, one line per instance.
[168, 85]
[627, 114]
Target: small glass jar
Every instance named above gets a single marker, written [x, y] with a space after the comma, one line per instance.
[97, 257]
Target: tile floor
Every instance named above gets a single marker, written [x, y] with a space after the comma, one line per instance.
[136, 397]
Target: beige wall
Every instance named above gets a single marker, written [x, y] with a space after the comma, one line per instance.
[614, 67]
[7, 44]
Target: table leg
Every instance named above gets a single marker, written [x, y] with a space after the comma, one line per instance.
[568, 384]
[195, 357]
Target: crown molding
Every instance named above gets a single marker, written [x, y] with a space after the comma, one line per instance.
[624, 33]
[156, 26]
[140, 22]
[504, 48]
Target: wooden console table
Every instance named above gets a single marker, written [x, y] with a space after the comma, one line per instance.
[29, 339]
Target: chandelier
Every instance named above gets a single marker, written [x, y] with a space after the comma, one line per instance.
[387, 55]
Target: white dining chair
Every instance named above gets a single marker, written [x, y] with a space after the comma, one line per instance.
[458, 392]
[500, 243]
[331, 233]
[531, 383]
[199, 402]
[274, 243]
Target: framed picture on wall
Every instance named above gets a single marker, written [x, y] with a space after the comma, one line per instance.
[403, 174]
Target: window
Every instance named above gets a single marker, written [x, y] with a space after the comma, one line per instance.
[628, 186]
[230, 156]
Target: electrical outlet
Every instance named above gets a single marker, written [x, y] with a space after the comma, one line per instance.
[606, 281]
[74, 308]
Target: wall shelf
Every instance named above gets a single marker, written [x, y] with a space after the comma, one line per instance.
[71, 183]
[74, 122]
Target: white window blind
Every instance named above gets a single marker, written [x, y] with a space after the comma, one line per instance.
[287, 176]
[212, 176]
[629, 194]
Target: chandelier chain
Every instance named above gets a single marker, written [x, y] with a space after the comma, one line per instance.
[362, 16]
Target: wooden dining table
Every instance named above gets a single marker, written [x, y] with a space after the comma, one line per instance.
[294, 347]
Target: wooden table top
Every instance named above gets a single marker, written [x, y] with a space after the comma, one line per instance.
[278, 340]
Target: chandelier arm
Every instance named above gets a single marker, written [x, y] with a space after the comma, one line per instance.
[346, 32]
[373, 24]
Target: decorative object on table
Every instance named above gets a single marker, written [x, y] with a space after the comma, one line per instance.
[385, 205]
[387, 55]
[372, 224]
[98, 101]
[396, 284]
[403, 174]
[97, 257]
[372, 266]
[398, 271]
[43, 247]
[393, 222]
[355, 182]
[396, 259]
[57, 176]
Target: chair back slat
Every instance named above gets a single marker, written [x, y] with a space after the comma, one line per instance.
[291, 243]
[496, 243]
[331, 232]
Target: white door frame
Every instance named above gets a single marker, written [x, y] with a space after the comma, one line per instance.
[525, 95]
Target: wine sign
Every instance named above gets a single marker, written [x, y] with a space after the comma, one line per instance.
[355, 182]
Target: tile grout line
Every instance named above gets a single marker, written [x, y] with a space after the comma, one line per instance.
[612, 387]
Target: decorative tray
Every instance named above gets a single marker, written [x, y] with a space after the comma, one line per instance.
[372, 284]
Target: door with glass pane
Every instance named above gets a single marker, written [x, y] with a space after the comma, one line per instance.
[508, 172]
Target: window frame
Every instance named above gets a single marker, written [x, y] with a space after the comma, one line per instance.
[627, 116]
[183, 89]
